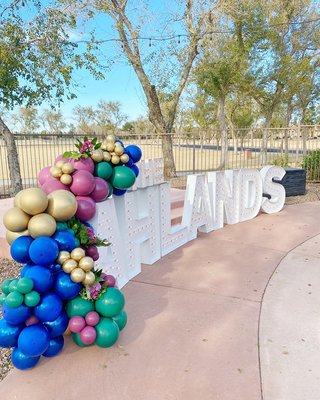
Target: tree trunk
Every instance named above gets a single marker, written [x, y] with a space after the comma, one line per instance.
[288, 119]
[169, 169]
[13, 159]
[264, 145]
[224, 133]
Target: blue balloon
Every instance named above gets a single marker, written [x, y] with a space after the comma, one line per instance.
[58, 326]
[49, 308]
[21, 361]
[25, 268]
[43, 250]
[55, 346]
[65, 287]
[119, 141]
[65, 240]
[16, 316]
[129, 163]
[135, 169]
[9, 334]
[118, 192]
[55, 268]
[34, 340]
[20, 249]
[42, 278]
[134, 152]
[62, 226]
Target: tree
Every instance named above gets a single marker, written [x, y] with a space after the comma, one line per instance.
[109, 116]
[53, 121]
[27, 119]
[36, 62]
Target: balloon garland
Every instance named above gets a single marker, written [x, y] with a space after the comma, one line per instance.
[59, 288]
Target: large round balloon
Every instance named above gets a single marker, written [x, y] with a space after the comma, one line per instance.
[86, 164]
[65, 240]
[65, 288]
[33, 201]
[121, 319]
[11, 236]
[21, 361]
[42, 278]
[82, 183]
[16, 316]
[19, 249]
[52, 185]
[103, 170]
[55, 346]
[25, 269]
[110, 303]
[122, 177]
[9, 334]
[44, 250]
[44, 175]
[107, 332]
[134, 152]
[86, 208]
[49, 308]
[34, 340]
[79, 306]
[62, 205]
[42, 225]
[58, 326]
[101, 190]
[16, 220]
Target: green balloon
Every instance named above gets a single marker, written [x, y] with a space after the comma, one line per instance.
[2, 298]
[110, 303]
[5, 286]
[32, 299]
[62, 226]
[121, 319]
[78, 341]
[13, 285]
[103, 170]
[110, 189]
[122, 177]
[25, 285]
[14, 299]
[107, 332]
[79, 306]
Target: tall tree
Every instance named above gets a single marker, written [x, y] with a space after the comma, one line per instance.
[53, 121]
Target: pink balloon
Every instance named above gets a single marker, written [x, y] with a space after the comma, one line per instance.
[110, 280]
[31, 320]
[96, 257]
[91, 250]
[61, 158]
[92, 318]
[44, 175]
[86, 208]
[88, 335]
[53, 184]
[83, 183]
[86, 164]
[77, 323]
[101, 190]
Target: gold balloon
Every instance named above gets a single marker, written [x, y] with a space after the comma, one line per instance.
[110, 146]
[69, 265]
[77, 275]
[33, 201]
[16, 220]
[110, 138]
[60, 164]
[77, 253]
[119, 150]
[104, 145]
[106, 156]
[63, 256]
[66, 179]
[97, 155]
[17, 197]
[11, 236]
[90, 278]
[67, 168]
[62, 205]
[124, 158]
[42, 225]
[86, 263]
[55, 172]
[115, 159]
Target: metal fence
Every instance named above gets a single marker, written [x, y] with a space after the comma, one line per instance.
[193, 152]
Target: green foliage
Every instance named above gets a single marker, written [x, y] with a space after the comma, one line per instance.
[85, 234]
[281, 161]
[311, 163]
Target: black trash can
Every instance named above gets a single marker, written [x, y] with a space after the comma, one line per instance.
[294, 181]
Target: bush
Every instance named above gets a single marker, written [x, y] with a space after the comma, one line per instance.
[311, 163]
[282, 161]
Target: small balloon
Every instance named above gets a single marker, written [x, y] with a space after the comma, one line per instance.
[134, 152]
[32, 299]
[77, 323]
[77, 275]
[86, 263]
[14, 299]
[25, 285]
[32, 321]
[21, 361]
[92, 318]
[86, 208]
[67, 168]
[89, 278]
[69, 265]
[88, 335]
[78, 253]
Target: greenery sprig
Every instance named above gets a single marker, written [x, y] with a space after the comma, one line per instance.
[86, 148]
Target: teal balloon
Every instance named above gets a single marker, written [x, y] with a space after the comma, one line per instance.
[121, 319]
[14, 299]
[2, 298]
[78, 341]
[77, 242]
[110, 303]
[13, 285]
[110, 189]
[25, 285]
[32, 299]
[62, 226]
[122, 177]
[107, 332]
[79, 306]
[5, 286]
[103, 170]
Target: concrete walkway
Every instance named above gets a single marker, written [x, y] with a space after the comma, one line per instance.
[197, 319]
